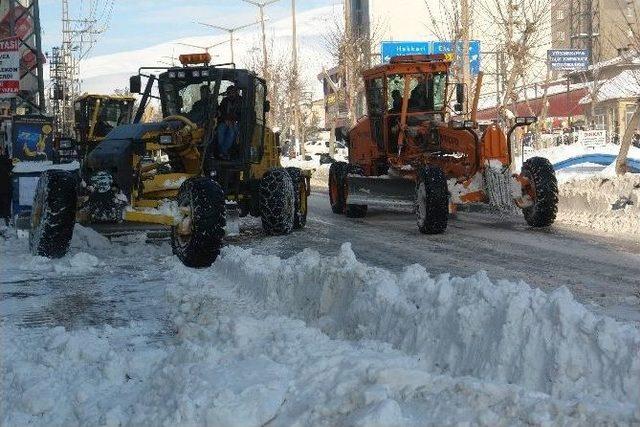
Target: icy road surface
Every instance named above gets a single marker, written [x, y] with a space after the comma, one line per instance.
[598, 269]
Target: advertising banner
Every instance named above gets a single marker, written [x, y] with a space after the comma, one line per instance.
[32, 137]
[9, 67]
[592, 138]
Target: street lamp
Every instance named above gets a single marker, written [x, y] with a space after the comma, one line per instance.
[261, 6]
[230, 31]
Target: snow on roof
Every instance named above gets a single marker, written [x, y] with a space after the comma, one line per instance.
[624, 85]
[531, 92]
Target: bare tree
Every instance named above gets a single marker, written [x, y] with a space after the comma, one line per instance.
[453, 21]
[631, 13]
[519, 29]
[351, 49]
[281, 86]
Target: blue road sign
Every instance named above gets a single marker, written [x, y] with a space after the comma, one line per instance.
[568, 59]
[474, 52]
[390, 49]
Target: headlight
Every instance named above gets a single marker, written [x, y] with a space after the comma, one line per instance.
[102, 181]
[166, 139]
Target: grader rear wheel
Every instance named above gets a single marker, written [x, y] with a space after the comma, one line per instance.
[300, 191]
[544, 189]
[277, 202]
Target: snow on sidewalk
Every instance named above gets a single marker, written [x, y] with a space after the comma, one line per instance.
[315, 340]
[604, 202]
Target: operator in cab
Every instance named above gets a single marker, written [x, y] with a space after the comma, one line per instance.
[229, 115]
[199, 109]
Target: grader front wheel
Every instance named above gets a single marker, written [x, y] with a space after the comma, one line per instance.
[432, 200]
[53, 214]
[197, 237]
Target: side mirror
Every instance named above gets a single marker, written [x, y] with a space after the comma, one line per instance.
[267, 106]
[135, 84]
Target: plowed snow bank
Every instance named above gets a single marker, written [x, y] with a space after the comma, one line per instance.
[609, 204]
[236, 357]
[506, 332]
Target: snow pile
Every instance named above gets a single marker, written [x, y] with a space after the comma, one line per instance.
[503, 332]
[610, 204]
[257, 340]
[31, 167]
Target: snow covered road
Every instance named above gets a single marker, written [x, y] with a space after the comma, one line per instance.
[120, 333]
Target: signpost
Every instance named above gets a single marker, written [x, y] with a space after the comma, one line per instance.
[568, 59]
[592, 138]
[9, 67]
[390, 49]
[474, 52]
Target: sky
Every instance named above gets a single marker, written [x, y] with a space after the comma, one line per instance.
[137, 24]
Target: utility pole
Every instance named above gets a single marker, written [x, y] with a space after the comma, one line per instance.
[465, 24]
[230, 30]
[261, 6]
[24, 22]
[296, 89]
[78, 37]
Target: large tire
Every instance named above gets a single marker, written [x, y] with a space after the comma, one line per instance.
[53, 214]
[432, 200]
[197, 239]
[539, 171]
[337, 191]
[300, 192]
[277, 202]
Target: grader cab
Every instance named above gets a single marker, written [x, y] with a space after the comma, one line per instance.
[411, 150]
[96, 115]
[192, 185]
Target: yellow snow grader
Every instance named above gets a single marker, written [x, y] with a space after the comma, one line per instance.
[412, 149]
[96, 115]
[177, 171]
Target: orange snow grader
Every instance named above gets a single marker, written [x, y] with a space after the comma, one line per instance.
[411, 150]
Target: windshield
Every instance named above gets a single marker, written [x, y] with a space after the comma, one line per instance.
[426, 92]
[113, 112]
[192, 99]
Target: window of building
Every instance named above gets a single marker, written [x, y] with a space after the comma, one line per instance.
[560, 14]
[560, 36]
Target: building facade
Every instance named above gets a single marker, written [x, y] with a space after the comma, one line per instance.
[604, 27]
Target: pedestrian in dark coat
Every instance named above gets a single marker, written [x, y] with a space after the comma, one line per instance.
[5, 185]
